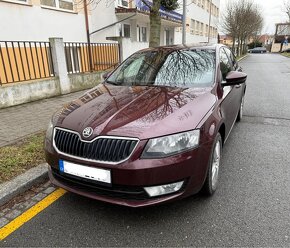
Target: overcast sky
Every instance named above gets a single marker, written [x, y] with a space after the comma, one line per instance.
[272, 11]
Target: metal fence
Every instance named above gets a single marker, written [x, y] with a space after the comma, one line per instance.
[81, 57]
[25, 60]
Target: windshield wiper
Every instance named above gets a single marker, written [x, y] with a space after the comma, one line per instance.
[111, 82]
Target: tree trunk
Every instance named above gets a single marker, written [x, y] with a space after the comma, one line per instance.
[155, 24]
[238, 48]
[233, 46]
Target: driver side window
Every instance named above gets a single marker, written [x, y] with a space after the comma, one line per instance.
[225, 64]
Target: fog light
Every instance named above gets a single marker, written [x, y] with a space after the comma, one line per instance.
[163, 189]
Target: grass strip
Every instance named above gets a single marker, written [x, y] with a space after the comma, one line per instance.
[21, 156]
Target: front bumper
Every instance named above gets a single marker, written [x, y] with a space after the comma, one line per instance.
[130, 177]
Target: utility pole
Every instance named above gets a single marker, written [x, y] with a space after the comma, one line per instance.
[209, 21]
[184, 23]
[88, 35]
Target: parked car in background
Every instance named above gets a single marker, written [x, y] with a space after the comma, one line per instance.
[153, 131]
[258, 50]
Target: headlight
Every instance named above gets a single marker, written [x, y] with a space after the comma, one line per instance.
[172, 144]
[49, 130]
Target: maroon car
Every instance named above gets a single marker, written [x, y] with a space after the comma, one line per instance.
[153, 131]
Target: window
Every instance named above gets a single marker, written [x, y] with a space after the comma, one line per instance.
[126, 31]
[123, 3]
[232, 58]
[192, 26]
[142, 31]
[197, 28]
[60, 4]
[201, 29]
[225, 64]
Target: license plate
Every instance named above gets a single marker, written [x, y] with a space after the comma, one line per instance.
[96, 174]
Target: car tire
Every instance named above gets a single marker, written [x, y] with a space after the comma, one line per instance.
[241, 110]
[211, 181]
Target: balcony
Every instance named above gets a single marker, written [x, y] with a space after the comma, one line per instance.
[126, 8]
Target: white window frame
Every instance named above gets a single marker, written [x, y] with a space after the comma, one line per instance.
[120, 3]
[57, 5]
[123, 32]
[139, 33]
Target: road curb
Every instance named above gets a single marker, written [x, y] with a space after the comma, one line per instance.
[243, 57]
[23, 182]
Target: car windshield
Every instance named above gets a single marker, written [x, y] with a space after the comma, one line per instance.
[187, 68]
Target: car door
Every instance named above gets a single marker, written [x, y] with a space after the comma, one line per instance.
[231, 98]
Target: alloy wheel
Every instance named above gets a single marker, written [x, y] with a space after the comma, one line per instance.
[216, 164]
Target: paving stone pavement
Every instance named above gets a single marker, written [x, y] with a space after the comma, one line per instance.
[23, 120]
[23, 203]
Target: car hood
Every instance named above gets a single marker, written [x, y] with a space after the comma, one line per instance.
[136, 111]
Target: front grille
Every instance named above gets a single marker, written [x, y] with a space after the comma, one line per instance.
[116, 191]
[103, 149]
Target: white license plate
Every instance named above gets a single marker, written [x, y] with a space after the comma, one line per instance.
[91, 173]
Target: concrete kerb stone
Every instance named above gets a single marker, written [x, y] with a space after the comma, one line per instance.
[22, 183]
[243, 57]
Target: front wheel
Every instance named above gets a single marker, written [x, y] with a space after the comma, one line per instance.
[211, 181]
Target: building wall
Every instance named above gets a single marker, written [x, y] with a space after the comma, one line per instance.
[33, 22]
[102, 15]
[129, 47]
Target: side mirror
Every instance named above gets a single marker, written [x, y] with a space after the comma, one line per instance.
[107, 74]
[234, 78]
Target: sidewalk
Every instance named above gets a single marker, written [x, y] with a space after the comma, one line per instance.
[23, 120]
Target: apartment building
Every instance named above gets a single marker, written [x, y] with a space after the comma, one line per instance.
[201, 22]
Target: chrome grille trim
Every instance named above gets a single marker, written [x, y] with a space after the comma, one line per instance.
[84, 144]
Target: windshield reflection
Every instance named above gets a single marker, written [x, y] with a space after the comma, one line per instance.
[179, 68]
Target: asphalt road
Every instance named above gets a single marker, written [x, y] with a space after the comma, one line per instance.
[250, 208]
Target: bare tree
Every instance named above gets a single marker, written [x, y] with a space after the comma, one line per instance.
[287, 8]
[242, 20]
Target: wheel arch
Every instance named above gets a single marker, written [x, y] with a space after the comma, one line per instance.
[222, 131]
